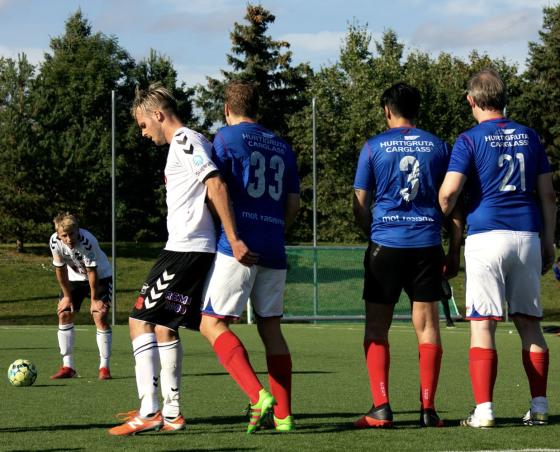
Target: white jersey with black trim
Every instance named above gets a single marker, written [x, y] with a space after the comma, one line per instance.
[86, 254]
[189, 221]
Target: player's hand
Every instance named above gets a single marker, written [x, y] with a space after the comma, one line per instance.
[451, 266]
[243, 254]
[99, 306]
[65, 304]
[547, 253]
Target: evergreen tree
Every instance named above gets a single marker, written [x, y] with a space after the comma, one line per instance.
[72, 100]
[142, 210]
[257, 57]
[22, 167]
[539, 104]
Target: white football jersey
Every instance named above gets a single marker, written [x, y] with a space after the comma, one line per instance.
[86, 254]
[189, 221]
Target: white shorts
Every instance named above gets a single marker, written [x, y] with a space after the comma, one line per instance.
[230, 284]
[502, 267]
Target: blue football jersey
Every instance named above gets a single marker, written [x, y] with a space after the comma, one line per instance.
[502, 161]
[404, 168]
[260, 170]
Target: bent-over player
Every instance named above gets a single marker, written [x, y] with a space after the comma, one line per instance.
[82, 270]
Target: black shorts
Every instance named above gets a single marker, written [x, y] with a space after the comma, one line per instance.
[388, 271]
[80, 290]
[171, 295]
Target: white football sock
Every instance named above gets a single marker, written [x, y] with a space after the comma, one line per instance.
[104, 341]
[147, 362]
[66, 344]
[485, 410]
[539, 405]
[171, 358]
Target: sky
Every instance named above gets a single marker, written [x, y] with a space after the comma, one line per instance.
[195, 34]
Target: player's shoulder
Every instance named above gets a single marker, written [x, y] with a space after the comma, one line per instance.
[86, 238]
[188, 141]
[54, 241]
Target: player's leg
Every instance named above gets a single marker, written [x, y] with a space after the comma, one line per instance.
[144, 346]
[377, 352]
[267, 299]
[171, 359]
[104, 334]
[425, 318]
[382, 287]
[535, 362]
[485, 257]
[225, 294]
[523, 294]
[66, 332]
[483, 368]
[142, 322]
[424, 286]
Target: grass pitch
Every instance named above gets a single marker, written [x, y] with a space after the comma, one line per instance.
[330, 390]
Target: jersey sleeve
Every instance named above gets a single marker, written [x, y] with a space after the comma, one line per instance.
[461, 161]
[195, 152]
[55, 251]
[90, 251]
[220, 154]
[364, 179]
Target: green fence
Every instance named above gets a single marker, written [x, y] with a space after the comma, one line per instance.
[335, 293]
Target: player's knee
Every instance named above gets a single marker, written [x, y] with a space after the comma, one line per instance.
[65, 317]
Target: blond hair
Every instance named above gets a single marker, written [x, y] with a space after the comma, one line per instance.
[155, 97]
[66, 221]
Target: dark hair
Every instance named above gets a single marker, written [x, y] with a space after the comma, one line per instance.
[402, 100]
[488, 90]
[242, 98]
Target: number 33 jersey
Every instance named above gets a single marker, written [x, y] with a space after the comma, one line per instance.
[260, 170]
[404, 168]
[502, 161]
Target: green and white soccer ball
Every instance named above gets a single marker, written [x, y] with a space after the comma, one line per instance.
[22, 373]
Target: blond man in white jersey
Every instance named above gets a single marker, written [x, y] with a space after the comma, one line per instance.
[170, 296]
[82, 270]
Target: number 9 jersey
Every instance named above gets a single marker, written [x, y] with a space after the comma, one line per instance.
[260, 170]
[404, 168]
[502, 160]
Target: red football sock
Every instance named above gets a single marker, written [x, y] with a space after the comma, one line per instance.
[430, 365]
[536, 368]
[234, 358]
[280, 378]
[378, 360]
[483, 366]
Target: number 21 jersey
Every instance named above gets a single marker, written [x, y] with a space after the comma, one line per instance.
[502, 161]
[260, 170]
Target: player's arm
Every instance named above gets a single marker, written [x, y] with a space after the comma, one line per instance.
[547, 199]
[450, 190]
[61, 272]
[218, 198]
[455, 225]
[361, 205]
[292, 208]
[97, 305]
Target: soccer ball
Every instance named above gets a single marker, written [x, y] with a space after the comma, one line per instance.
[22, 373]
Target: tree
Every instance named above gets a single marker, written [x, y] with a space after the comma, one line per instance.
[22, 168]
[349, 112]
[258, 58]
[72, 101]
[539, 103]
[141, 213]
